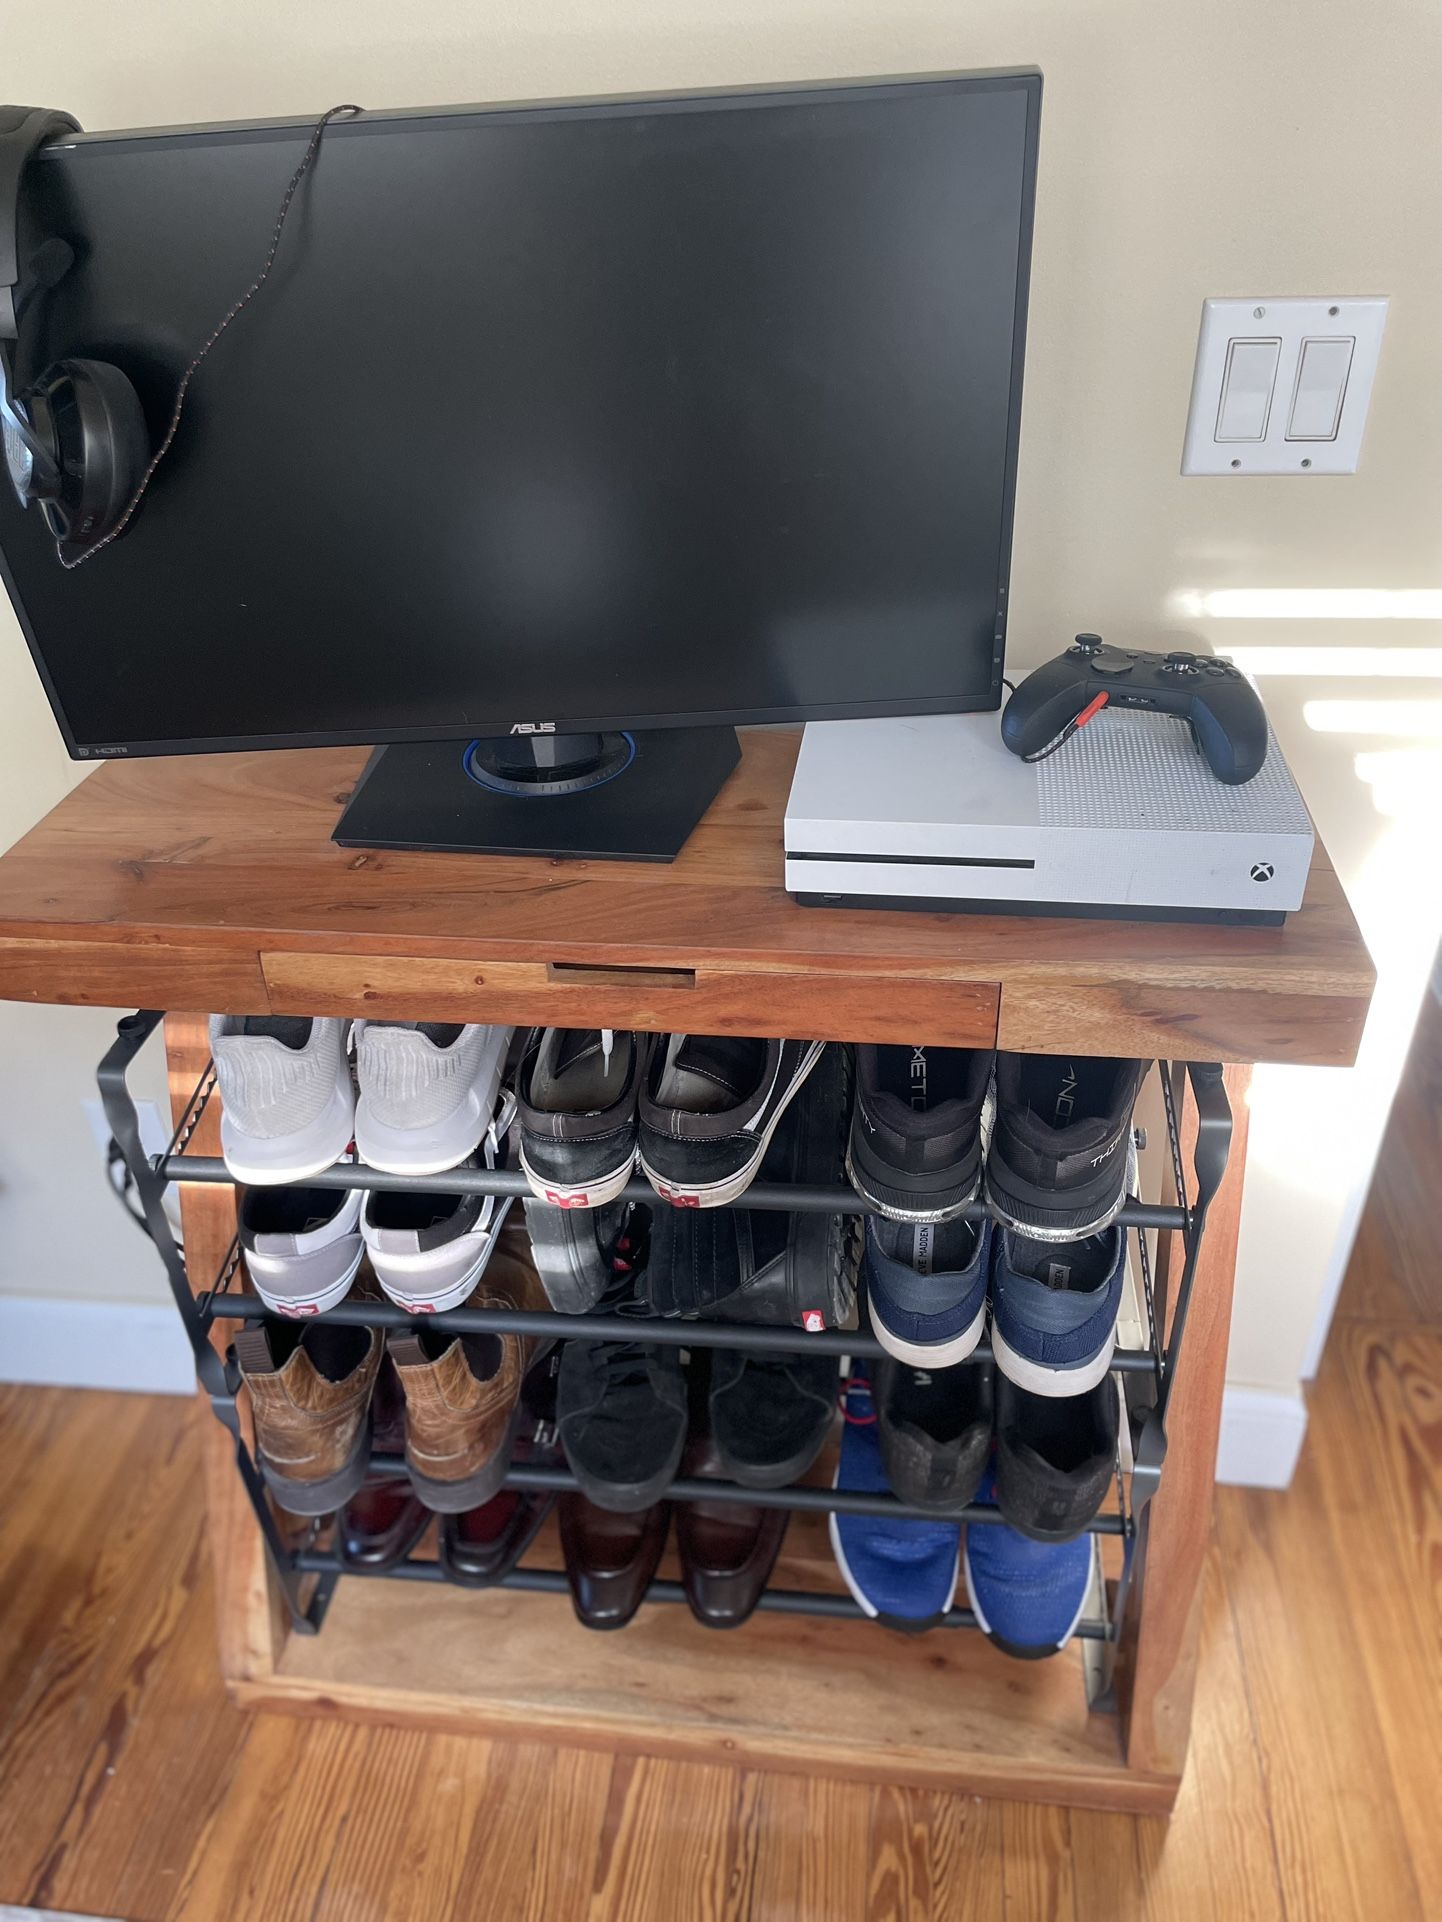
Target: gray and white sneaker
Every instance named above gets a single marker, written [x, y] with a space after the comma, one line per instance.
[286, 1091]
[429, 1250]
[302, 1246]
[708, 1109]
[428, 1091]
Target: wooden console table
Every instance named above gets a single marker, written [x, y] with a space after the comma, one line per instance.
[211, 884]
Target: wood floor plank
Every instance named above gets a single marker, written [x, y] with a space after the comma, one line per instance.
[667, 1842]
[534, 1836]
[1340, 1841]
[1384, 1501]
[1107, 1868]
[1038, 1879]
[1215, 1856]
[811, 1851]
[934, 1857]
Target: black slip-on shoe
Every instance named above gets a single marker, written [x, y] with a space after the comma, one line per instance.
[576, 1105]
[770, 1414]
[934, 1426]
[1054, 1458]
[621, 1410]
[708, 1108]
[1061, 1161]
[916, 1131]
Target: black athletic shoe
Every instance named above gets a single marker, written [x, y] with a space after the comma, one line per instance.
[770, 1414]
[576, 1105]
[769, 1265]
[935, 1431]
[621, 1411]
[1054, 1459]
[916, 1132]
[1061, 1161]
[708, 1109]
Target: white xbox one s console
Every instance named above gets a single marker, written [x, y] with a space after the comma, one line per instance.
[1125, 820]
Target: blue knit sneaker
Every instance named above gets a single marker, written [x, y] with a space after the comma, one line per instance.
[926, 1282]
[1027, 1596]
[1054, 1309]
[903, 1573]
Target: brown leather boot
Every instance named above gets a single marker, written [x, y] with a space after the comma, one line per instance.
[463, 1391]
[310, 1397]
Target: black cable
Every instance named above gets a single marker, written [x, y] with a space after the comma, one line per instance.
[307, 158]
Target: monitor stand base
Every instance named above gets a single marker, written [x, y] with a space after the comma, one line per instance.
[602, 797]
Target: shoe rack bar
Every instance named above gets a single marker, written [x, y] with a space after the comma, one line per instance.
[794, 1198]
[813, 1501]
[223, 1305]
[550, 1581]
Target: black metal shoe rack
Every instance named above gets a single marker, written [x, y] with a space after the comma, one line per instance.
[309, 1567]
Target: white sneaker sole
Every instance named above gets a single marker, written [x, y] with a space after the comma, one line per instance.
[265, 1163]
[595, 1194]
[296, 1307]
[936, 1354]
[720, 1194]
[1058, 1383]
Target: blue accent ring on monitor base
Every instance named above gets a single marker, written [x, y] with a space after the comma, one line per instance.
[538, 765]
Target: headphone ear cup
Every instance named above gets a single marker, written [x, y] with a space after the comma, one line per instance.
[90, 415]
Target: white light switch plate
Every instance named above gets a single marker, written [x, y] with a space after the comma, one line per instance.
[1282, 436]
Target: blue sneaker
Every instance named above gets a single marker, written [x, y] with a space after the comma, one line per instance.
[1027, 1596]
[926, 1283]
[903, 1573]
[1054, 1309]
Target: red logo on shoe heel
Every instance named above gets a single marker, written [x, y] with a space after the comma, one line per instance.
[680, 1201]
[813, 1323]
[560, 1200]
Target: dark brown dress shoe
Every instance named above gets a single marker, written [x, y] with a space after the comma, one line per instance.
[611, 1558]
[383, 1521]
[728, 1549]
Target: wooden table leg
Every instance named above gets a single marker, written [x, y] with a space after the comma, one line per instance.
[250, 1615]
[1158, 1656]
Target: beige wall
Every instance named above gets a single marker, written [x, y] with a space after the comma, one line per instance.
[1189, 147]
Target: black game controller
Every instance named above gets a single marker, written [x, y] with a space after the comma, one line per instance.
[1222, 706]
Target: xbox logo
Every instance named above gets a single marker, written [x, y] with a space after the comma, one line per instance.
[1261, 870]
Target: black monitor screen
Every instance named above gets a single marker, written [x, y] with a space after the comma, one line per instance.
[614, 414]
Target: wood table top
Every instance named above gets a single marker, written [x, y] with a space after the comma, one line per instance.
[210, 883]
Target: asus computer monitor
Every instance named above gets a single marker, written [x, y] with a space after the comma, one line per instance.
[553, 421]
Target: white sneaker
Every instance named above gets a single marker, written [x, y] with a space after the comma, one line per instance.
[285, 1085]
[302, 1246]
[428, 1091]
[429, 1249]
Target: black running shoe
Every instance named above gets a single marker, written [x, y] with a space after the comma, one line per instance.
[770, 1414]
[621, 1411]
[935, 1431]
[708, 1108]
[916, 1131]
[576, 1104]
[1061, 1161]
[1054, 1459]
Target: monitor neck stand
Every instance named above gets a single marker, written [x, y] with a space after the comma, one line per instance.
[609, 797]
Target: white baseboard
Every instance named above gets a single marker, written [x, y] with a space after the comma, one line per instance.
[1261, 1437]
[94, 1344]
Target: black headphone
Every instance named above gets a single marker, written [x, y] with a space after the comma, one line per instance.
[76, 442]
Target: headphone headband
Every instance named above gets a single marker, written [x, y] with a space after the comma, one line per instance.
[22, 131]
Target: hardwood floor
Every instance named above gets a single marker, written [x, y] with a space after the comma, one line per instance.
[130, 1787]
